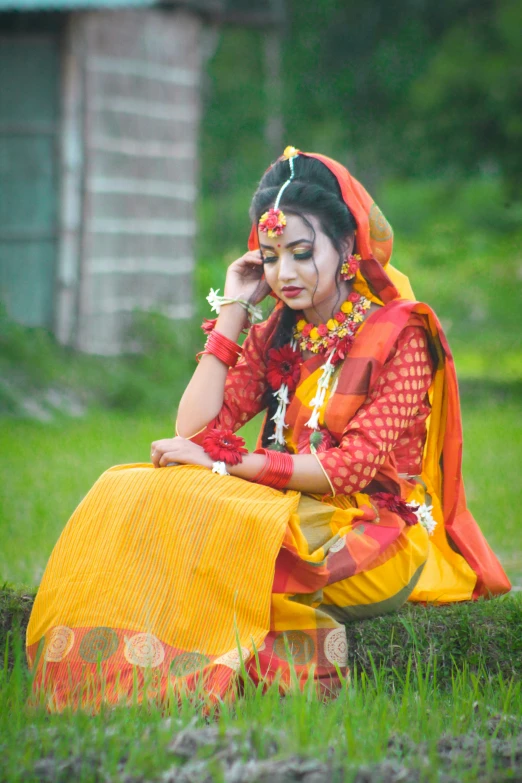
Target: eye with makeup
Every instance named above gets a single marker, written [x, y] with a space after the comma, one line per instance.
[303, 254]
[300, 254]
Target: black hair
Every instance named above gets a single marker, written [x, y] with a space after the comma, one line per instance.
[314, 191]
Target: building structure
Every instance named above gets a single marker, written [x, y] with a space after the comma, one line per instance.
[99, 115]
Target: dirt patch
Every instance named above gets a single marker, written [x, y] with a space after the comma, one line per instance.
[205, 752]
[208, 755]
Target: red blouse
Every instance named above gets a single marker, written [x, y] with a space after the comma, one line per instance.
[392, 418]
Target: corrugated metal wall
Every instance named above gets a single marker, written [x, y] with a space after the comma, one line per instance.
[131, 117]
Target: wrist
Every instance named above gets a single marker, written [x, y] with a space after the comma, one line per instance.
[248, 467]
[231, 320]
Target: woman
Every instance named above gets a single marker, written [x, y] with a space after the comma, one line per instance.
[212, 561]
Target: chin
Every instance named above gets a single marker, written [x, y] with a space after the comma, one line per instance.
[294, 304]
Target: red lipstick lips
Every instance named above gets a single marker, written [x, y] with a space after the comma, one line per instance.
[291, 291]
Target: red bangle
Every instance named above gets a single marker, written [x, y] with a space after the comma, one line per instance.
[277, 470]
[224, 349]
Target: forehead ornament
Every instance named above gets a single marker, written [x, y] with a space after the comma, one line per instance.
[273, 222]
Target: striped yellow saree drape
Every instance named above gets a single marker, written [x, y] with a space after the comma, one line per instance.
[171, 580]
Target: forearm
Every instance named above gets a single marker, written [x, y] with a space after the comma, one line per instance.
[307, 476]
[203, 397]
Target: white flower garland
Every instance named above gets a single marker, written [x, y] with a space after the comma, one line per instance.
[424, 515]
[280, 415]
[327, 370]
[215, 301]
[281, 395]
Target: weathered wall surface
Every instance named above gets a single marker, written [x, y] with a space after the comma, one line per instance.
[130, 128]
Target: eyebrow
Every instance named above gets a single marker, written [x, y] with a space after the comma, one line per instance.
[290, 244]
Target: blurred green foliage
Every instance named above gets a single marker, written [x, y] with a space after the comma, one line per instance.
[409, 88]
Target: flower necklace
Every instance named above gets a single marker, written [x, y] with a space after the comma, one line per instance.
[333, 340]
[338, 333]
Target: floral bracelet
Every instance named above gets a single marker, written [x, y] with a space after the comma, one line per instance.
[224, 448]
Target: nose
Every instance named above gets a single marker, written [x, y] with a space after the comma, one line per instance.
[287, 273]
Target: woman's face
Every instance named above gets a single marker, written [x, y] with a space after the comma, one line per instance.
[302, 269]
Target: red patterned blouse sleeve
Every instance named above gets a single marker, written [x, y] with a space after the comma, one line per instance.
[396, 403]
[245, 386]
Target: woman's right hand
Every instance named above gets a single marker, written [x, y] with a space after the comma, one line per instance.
[245, 278]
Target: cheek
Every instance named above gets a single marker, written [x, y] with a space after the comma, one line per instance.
[327, 276]
[270, 273]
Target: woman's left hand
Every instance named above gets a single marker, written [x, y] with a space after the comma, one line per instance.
[178, 450]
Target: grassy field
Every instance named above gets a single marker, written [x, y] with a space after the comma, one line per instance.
[467, 729]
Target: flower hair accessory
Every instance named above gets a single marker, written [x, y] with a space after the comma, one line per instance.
[350, 267]
[273, 222]
[224, 448]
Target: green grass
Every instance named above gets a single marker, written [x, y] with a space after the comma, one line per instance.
[417, 725]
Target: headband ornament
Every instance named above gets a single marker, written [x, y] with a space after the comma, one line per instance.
[273, 222]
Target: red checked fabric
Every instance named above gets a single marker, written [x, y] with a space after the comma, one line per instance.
[393, 418]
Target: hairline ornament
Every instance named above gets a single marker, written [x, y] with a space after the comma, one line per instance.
[273, 221]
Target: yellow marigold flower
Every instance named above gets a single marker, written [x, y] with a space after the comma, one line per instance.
[331, 324]
[314, 334]
[290, 152]
[347, 307]
[301, 325]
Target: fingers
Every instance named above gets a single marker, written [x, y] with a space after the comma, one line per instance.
[253, 255]
[253, 258]
[163, 452]
[168, 458]
[155, 456]
[158, 448]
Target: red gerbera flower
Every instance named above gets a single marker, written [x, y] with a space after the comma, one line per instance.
[208, 325]
[284, 366]
[224, 446]
[396, 504]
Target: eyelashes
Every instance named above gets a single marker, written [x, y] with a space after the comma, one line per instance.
[305, 256]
